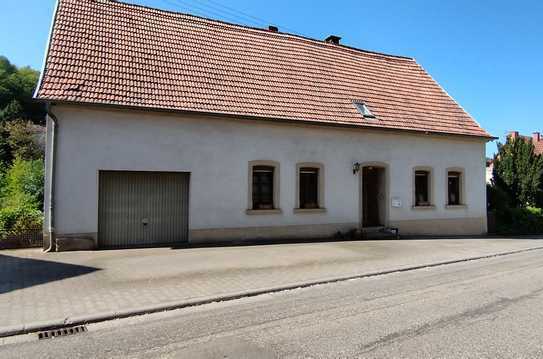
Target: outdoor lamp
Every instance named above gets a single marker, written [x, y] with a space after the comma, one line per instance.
[356, 168]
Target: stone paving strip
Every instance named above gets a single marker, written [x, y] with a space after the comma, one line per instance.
[38, 289]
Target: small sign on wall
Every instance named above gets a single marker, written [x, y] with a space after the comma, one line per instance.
[396, 202]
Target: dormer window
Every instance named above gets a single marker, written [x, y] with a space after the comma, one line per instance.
[364, 110]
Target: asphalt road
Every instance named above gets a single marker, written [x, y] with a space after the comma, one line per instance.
[490, 308]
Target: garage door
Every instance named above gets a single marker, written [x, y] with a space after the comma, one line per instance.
[142, 208]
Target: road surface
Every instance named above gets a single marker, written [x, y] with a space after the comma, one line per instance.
[491, 308]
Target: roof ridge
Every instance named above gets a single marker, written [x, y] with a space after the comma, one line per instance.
[260, 30]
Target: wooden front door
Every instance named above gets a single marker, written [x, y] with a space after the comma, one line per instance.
[370, 196]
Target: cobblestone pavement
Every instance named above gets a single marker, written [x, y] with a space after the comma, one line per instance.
[38, 287]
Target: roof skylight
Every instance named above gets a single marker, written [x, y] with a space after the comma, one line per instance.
[364, 110]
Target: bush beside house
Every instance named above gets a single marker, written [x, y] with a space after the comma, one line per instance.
[22, 196]
[515, 196]
[22, 144]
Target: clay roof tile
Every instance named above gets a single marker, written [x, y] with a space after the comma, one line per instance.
[104, 51]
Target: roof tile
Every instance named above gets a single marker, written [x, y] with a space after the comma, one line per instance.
[104, 51]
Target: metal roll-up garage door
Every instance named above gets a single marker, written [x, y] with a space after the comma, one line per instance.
[138, 209]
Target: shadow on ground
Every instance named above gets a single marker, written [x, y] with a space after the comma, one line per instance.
[264, 242]
[18, 273]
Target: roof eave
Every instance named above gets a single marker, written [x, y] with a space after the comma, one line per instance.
[47, 50]
[488, 138]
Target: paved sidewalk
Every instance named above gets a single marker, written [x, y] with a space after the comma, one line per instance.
[38, 287]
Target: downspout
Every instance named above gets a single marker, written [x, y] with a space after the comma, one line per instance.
[50, 247]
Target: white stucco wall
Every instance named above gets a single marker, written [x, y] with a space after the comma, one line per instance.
[216, 152]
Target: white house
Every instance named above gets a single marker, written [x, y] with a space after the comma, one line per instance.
[164, 128]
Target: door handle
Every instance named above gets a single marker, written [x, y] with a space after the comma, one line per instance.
[145, 221]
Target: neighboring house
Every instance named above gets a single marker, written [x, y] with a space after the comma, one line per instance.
[166, 128]
[489, 170]
[536, 139]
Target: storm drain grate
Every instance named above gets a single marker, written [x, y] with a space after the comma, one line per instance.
[62, 332]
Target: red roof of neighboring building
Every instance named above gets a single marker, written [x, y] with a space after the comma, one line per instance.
[538, 147]
[536, 139]
[107, 52]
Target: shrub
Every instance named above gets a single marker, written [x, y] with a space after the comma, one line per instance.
[20, 219]
[497, 198]
[26, 140]
[21, 190]
[539, 197]
[519, 220]
[518, 171]
[23, 185]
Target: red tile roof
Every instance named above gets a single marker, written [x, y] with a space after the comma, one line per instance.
[107, 52]
[538, 147]
[536, 139]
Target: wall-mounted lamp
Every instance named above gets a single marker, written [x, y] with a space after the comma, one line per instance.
[356, 168]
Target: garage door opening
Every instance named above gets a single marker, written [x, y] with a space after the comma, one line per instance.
[142, 209]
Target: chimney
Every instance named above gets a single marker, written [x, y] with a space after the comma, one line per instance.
[513, 134]
[536, 137]
[333, 39]
[273, 28]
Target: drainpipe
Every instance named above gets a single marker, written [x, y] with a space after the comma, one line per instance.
[50, 247]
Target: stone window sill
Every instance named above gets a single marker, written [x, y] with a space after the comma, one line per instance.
[456, 206]
[430, 207]
[309, 210]
[263, 211]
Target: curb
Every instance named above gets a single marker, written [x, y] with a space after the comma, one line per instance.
[105, 316]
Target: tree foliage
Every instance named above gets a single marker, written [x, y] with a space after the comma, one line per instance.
[518, 172]
[23, 184]
[16, 89]
[18, 220]
[19, 114]
[21, 195]
[22, 142]
[26, 140]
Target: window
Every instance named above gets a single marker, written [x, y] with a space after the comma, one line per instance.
[422, 188]
[309, 187]
[364, 110]
[263, 187]
[454, 183]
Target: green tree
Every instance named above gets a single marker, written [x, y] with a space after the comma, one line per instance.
[16, 90]
[26, 140]
[10, 111]
[539, 199]
[518, 172]
[23, 184]
[21, 190]
[16, 105]
[6, 155]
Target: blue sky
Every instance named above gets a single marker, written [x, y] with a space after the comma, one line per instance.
[486, 54]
